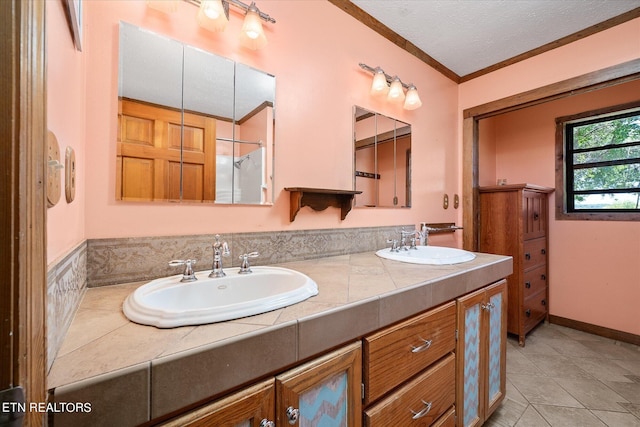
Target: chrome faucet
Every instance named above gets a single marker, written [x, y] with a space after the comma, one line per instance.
[220, 249]
[403, 239]
[189, 275]
[245, 268]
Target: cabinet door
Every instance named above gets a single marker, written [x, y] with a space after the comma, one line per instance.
[251, 407]
[470, 381]
[325, 391]
[497, 346]
[481, 353]
[534, 206]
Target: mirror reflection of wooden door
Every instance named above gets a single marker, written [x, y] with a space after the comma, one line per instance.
[150, 165]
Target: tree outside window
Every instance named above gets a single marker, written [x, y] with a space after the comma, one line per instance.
[601, 165]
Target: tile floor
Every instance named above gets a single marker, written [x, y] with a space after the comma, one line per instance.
[565, 377]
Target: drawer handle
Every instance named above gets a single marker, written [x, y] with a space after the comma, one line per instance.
[267, 423]
[527, 256]
[543, 302]
[536, 215]
[543, 251]
[423, 347]
[527, 285]
[543, 276]
[528, 313]
[425, 410]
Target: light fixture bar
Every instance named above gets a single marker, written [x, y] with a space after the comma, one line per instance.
[393, 88]
[239, 5]
[387, 76]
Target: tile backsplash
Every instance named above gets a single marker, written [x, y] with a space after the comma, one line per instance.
[122, 260]
[103, 262]
[66, 283]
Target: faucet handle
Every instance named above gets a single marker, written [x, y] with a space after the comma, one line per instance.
[245, 268]
[189, 275]
[394, 245]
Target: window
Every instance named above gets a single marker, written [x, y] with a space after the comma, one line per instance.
[599, 164]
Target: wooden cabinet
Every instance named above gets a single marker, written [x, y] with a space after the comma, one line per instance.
[409, 370]
[251, 407]
[325, 391]
[413, 373]
[419, 402]
[513, 221]
[481, 354]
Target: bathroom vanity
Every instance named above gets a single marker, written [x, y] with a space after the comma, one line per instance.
[380, 337]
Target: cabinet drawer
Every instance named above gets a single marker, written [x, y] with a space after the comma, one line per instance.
[535, 281]
[535, 253]
[420, 402]
[447, 420]
[534, 309]
[397, 353]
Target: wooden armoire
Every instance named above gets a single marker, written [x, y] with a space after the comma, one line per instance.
[514, 221]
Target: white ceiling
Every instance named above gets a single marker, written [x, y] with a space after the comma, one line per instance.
[469, 35]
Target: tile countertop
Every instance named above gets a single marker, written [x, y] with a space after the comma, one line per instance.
[162, 370]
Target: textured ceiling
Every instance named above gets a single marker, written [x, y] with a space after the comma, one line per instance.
[469, 35]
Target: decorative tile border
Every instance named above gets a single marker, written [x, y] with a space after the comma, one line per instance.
[122, 260]
[66, 283]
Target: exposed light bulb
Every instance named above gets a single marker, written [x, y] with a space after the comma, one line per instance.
[396, 92]
[379, 85]
[412, 100]
[252, 35]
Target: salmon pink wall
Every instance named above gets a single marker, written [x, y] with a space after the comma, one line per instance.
[314, 50]
[601, 50]
[66, 119]
[594, 266]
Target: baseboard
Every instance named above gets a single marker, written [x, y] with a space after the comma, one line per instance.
[596, 330]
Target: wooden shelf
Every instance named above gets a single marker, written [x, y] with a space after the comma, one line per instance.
[320, 199]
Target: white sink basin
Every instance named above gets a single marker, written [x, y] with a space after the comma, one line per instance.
[435, 255]
[167, 303]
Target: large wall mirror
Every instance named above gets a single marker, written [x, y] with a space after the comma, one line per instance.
[192, 126]
[382, 160]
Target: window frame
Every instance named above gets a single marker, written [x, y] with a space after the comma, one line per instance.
[562, 212]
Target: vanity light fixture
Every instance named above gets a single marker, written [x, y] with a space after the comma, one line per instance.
[396, 91]
[213, 15]
[379, 85]
[393, 88]
[252, 34]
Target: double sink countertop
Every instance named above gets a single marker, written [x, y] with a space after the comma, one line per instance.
[141, 372]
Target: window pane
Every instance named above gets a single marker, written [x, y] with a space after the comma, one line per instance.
[607, 201]
[609, 132]
[607, 155]
[607, 177]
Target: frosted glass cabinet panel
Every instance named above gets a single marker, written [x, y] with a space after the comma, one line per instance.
[481, 353]
[325, 391]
